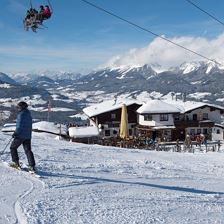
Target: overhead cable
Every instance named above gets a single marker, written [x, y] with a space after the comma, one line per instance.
[213, 17]
[148, 31]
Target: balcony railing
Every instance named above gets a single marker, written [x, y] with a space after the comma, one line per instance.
[191, 123]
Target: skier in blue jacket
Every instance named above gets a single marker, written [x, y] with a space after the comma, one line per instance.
[22, 136]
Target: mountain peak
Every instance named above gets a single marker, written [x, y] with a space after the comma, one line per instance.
[188, 67]
[6, 79]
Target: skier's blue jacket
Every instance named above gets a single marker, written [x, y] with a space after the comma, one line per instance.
[24, 125]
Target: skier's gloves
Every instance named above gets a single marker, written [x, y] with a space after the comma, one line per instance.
[14, 135]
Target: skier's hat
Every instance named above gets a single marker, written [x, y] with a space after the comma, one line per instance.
[23, 105]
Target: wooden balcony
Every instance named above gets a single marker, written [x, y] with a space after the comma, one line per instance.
[191, 123]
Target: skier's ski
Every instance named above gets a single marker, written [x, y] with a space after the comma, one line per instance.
[23, 168]
[33, 173]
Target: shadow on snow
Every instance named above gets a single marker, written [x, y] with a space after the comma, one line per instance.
[95, 180]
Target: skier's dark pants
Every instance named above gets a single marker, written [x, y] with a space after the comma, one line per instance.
[27, 148]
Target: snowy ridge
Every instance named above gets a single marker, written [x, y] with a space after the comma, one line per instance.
[55, 75]
[189, 67]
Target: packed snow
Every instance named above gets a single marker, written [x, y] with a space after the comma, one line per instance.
[82, 116]
[199, 95]
[6, 86]
[32, 101]
[97, 184]
[220, 100]
[56, 109]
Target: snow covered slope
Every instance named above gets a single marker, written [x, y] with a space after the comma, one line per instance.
[97, 185]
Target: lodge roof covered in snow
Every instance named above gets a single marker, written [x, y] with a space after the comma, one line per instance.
[189, 106]
[151, 106]
[83, 132]
[106, 107]
[157, 107]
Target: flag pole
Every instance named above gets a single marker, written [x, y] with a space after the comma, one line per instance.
[48, 116]
[49, 110]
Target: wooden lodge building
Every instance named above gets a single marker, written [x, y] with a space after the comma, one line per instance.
[200, 118]
[107, 117]
[157, 119]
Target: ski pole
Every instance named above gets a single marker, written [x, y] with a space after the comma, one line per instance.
[2, 152]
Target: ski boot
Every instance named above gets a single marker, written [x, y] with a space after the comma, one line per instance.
[31, 169]
[15, 165]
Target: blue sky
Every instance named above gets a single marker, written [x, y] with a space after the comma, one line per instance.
[81, 38]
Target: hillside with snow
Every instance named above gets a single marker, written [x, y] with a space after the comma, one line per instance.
[99, 185]
[70, 92]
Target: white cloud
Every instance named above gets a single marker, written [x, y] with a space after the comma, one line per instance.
[168, 55]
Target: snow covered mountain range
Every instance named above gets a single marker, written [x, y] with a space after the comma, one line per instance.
[70, 92]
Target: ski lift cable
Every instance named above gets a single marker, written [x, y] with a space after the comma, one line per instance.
[49, 3]
[31, 5]
[149, 31]
[213, 17]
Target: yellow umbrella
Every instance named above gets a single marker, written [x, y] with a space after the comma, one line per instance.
[124, 122]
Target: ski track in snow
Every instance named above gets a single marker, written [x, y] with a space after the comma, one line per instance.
[35, 186]
[86, 184]
[21, 218]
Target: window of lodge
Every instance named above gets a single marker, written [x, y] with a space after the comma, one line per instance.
[163, 117]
